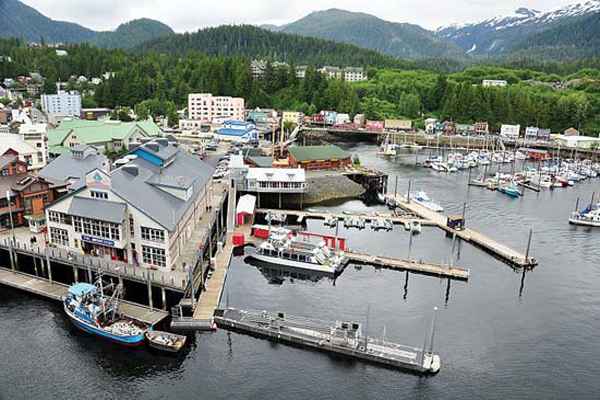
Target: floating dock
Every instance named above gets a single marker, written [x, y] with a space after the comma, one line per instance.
[488, 244]
[341, 338]
[407, 265]
[56, 291]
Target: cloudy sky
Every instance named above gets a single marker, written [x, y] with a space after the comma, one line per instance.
[189, 15]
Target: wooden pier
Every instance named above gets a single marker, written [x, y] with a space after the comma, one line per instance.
[409, 265]
[488, 244]
[301, 215]
[56, 291]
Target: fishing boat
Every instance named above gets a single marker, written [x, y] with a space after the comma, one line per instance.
[91, 311]
[165, 341]
[422, 199]
[285, 248]
[510, 190]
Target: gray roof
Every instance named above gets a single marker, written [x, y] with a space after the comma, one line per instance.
[142, 192]
[6, 160]
[98, 209]
[161, 149]
[177, 182]
[66, 167]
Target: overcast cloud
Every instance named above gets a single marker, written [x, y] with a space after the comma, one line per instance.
[190, 15]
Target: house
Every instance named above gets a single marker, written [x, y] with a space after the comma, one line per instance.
[398, 124]
[262, 116]
[359, 120]
[293, 117]
[510, 131]
[578, 142]
[465, 129]
[143, 212]
[571, 132]
[481, 128]
[331, 72]
[276, 180]
[318, 157]
[37, 137]
[430, 125]
[105, 135]
[28, 194]
[11, 143]
[342, 118]
[531, 132]
[95, 113]
[494, 83]
[72, 166]
[238, 131]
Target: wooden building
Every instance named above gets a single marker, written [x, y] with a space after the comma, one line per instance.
[318, 157]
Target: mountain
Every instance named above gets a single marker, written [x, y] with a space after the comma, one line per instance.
[396, 39]
[253, 42]
[22, 21]
[132, 33]
[502, 35]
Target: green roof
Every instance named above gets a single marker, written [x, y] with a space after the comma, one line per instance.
[316, 153]
[90, 132]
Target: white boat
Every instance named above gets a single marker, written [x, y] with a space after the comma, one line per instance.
[440, 167]
[422, 199]
[586, 218]
[284, 248]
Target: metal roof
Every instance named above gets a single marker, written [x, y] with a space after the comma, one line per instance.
[66, 167]
[82, 288]
[103, 210]
[246, 204]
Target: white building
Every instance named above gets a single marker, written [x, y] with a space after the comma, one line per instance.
[62, 104]
[36, 135]
[531, 132]
[494, 83]
[276, 180]
[206, 107]
[578, 142]
[354, 74]
[143, 212]
[26, 152]
[510, 131]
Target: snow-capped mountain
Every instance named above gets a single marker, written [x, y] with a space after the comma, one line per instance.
[498, 35]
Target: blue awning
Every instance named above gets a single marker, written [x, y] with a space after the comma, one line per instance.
[79, 289]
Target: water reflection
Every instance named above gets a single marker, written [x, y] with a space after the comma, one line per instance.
[279, 274]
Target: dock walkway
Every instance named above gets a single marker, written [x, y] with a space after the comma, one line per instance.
[470, 235]
[56, 291]
[413, 266]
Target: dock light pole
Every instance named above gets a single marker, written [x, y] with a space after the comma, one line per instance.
[528, 245]
[12, 225]
[432, 330]
[408, 194]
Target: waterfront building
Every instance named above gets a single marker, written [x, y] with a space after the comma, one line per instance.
[578, 142]
[206, 107]
[62, 104]
[276, 180]
[531, 132]
[398, 124]
[510, 131]
[238, 131]
[571, 132]
[481, 128]
[105, 135]
[28, 194]
[494, 83]
[71, 166]
[293, 117]
[143, 212]
[318, 157]
[430, 125]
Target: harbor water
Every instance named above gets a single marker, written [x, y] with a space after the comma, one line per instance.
[501, 335]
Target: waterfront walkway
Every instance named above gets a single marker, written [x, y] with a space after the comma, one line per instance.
[56, 291]
[446, 271]
[470, 235]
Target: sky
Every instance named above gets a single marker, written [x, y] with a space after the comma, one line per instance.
[191, 15]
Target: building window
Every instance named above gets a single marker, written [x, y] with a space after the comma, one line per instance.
[131, 226]
[58, 217]
[59, 236]
[154, 235]
[99, 195]
[154, 256]
[94, 227]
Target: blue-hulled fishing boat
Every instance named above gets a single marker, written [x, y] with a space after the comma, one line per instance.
[510, 190]
[92, 312]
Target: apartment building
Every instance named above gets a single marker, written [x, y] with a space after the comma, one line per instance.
[206, 107]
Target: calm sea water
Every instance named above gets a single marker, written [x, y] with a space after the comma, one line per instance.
[502, 335]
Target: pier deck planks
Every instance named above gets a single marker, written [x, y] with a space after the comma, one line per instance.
[56, 291]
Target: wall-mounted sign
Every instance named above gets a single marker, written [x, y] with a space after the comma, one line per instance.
[95, 240]
[97, 179]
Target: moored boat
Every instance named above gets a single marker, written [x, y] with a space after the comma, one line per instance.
[165, 341]
[89, 310]
[422, 199]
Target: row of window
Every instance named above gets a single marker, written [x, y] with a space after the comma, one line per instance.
[154, 235]
[154, 256]
[94, 227]
[59, 218]
[59, 236]
[98, 195]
